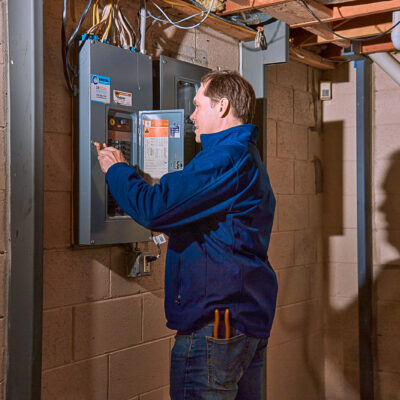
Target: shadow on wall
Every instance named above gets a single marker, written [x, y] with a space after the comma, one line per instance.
[386, 289]
[341, 348]
[340, 296]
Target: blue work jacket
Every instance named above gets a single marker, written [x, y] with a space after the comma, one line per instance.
[218, 213]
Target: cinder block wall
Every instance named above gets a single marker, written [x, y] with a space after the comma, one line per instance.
[295, 352]
[340, 236]
[4, 230]
[386, 175]
[104, 336]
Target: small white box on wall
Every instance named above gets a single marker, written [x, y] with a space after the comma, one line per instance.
[325, 90]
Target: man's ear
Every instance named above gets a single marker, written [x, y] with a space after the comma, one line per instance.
[224, 107]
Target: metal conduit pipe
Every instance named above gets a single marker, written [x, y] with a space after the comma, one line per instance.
[395, 35]
[388, 63]
[143, 28]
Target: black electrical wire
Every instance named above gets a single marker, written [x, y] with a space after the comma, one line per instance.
[344, 37]
[66, 45]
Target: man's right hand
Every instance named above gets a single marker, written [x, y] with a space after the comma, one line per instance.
[108, 156]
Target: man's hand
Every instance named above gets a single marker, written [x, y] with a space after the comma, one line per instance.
[108, 156]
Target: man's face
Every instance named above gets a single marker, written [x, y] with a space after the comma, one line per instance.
[205, 116]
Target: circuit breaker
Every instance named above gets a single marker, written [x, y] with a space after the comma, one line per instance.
[115, 107]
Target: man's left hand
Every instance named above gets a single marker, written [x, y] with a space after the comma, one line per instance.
[108, 156]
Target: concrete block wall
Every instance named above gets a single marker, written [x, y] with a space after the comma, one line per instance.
[295, 350]
[340, 237]
[104, 335]
[386, 157]
[4, 230]
[339, 214]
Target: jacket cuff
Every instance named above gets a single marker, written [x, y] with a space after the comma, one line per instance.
[113, 171]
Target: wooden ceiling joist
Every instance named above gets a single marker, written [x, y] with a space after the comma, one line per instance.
[235, 6]
[373, 48]
[330, 2]
[294, 12]
[355, 11]
[359, 32]
[382, 44]
[308, 58]
[233, 30]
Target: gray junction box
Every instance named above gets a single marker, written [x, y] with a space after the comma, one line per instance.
[115, 102]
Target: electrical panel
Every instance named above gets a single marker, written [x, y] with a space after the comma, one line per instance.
[178, 84]
[115, 107]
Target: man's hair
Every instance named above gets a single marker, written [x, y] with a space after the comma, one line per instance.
[235, 88]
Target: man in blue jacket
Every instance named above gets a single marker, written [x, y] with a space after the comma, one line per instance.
[220, 289]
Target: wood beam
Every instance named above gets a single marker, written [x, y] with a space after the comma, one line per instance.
[330, 2]
[367, 48]
[294, 12]
[355, 11]
[308, 58]
[319, 30]
[355, 32]
[235, 6]
[232, 30]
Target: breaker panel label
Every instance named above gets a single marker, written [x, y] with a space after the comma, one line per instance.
[156, 147]
[100, 88]
[175, 131]
[122, 98]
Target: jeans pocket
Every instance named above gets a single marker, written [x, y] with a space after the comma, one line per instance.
[226, 359]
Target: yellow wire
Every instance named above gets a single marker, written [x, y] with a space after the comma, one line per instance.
[93, 14]
[108, 26]
[97, 13]
[172, 3]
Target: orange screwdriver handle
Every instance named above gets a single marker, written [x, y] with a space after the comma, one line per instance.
[227, 324]
[216, 323]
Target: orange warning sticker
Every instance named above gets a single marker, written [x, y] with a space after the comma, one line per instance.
[156, 128]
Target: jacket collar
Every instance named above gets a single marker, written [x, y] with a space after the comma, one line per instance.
[242, 133]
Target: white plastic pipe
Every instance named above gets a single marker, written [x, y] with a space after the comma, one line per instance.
[396, 31]
[388, 63]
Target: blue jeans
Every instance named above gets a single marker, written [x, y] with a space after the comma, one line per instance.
[204, 368]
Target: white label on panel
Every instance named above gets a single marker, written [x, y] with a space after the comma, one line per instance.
[156, 147]
[122, 98]
[100, 88]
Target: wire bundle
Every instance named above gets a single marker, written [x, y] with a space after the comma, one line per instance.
[112, 27]
[69, 71]
[109, 25]
[168, 20]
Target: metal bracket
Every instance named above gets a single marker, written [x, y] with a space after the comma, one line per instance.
[354, 52]
[139, 263]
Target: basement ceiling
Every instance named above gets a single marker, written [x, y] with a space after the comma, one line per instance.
[310, 42]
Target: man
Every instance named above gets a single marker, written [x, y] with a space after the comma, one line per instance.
[220, 290]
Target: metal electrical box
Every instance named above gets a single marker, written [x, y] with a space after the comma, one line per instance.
[115, 107]
[178, 84]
